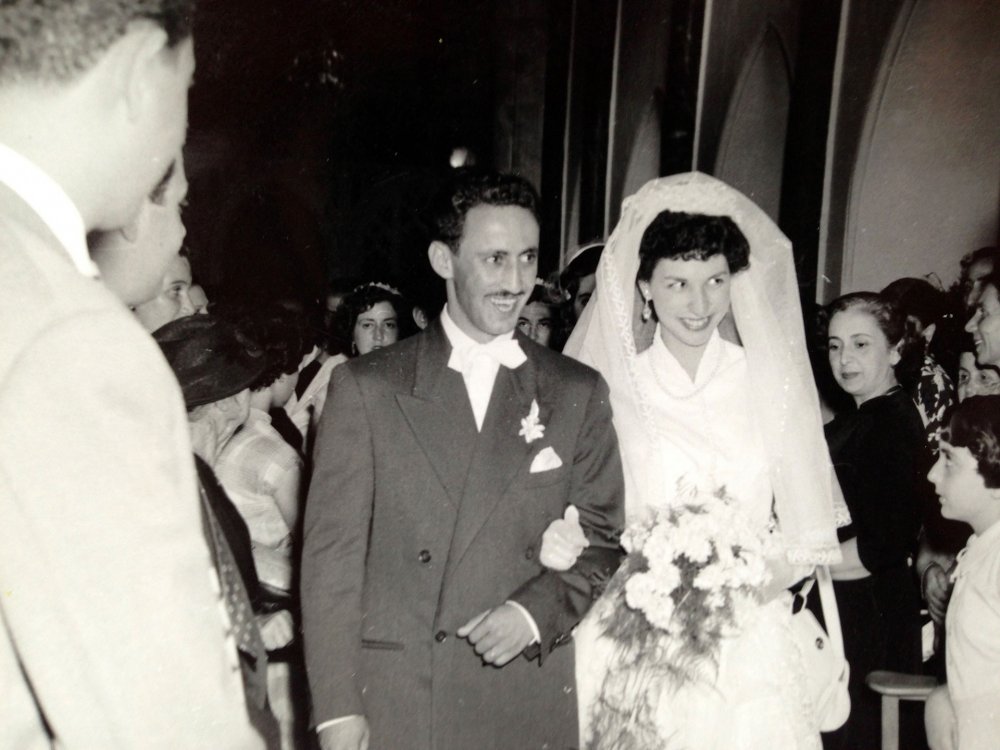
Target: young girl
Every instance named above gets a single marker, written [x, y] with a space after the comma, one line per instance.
[965, 714]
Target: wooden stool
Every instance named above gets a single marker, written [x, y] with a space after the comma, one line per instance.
[895, 687]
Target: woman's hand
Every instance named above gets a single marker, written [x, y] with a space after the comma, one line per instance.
[563, 541]
[783, 576]
[276, 630]
[937, 591]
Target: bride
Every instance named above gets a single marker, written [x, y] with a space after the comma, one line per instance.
[696, 325]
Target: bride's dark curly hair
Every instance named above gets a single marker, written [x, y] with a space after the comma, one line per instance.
[683, 236]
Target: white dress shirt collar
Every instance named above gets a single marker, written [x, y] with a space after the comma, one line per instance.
[47, 199]
[478, 366]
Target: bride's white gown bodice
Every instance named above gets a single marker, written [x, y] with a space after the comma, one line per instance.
[706, 433]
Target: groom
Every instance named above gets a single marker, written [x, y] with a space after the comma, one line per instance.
[429, 621]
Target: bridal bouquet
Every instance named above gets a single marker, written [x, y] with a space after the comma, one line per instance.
[693, 573]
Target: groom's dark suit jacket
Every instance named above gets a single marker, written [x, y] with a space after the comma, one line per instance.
[416, 522]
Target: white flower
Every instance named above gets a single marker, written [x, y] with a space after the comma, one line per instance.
[666, 575]
[711, 577]
[695, 547]
[531, 428]
[644, 592]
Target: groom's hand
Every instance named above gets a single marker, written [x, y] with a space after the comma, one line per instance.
[499, 634]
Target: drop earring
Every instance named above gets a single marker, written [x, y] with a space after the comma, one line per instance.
[647, 310]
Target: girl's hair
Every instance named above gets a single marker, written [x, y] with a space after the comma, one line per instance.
[284, 337]
[361, 299]
[975, 424]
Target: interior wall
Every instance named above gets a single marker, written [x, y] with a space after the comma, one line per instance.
[925, 184]
[520, 81]
[586, 121]
[640, 80]
[752, 145]
[866, 31]
[735, 32]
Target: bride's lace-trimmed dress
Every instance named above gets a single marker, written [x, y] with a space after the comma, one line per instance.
[749, 420]
[756, 700]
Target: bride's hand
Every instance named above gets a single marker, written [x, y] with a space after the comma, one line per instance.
[563, 541]
[783, 576]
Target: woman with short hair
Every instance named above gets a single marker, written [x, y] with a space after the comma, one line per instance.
[880, 454]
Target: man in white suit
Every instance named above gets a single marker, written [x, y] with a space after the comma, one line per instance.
[112, 631]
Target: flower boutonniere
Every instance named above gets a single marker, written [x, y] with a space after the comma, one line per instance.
[531, 428]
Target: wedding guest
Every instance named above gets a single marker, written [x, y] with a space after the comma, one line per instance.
[374, 315]
[579, 279]
[335, 293]
[261, 472]
[112, 635]
[931, 390]
[943, 539]
[880, 456]
[215, 369]
[172, 300]
[975, 267]
[973, 379]
[965, 714]
[984, 323]
[263, 476]
[539, 319]
[153, 240]
[305, 406]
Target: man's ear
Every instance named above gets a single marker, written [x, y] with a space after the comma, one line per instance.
[442, 259]
[136, 62]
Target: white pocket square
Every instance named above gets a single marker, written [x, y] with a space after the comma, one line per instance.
[546, 460]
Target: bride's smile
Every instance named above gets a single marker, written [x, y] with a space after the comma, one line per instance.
[689, 298]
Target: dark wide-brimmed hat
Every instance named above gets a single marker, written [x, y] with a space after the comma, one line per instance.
[212, 358]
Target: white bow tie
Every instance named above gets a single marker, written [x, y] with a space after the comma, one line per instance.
[507, 352]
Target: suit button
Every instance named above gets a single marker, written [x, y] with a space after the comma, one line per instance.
[424, 556]
[440, 636]
[529, 554]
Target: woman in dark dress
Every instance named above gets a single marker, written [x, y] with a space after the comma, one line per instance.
[880, 455]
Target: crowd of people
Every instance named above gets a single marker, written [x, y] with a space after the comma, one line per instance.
[230, 523]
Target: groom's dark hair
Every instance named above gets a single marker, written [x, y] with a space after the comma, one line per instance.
[475, 187]
[683, 236]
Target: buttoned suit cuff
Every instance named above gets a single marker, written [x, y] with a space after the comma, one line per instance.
[535, 632]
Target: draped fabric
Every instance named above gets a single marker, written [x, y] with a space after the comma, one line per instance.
[766, 319]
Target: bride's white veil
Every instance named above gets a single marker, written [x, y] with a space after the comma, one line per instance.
[768, 318]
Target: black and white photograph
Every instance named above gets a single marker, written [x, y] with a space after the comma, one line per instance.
[499, 375]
